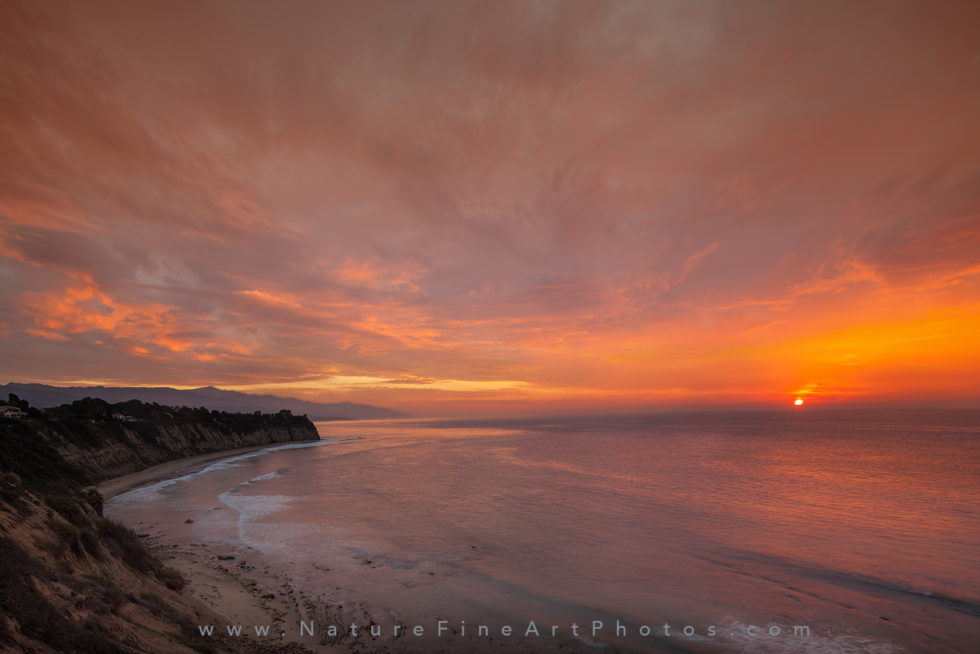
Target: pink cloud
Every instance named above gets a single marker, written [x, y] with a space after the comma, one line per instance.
[621, 195]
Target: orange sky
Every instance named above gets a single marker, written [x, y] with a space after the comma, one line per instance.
[446, 207]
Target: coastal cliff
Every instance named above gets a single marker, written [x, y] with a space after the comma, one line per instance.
[111, 440]
[72, 580]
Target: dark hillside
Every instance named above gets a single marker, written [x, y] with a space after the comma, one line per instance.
[72, 580]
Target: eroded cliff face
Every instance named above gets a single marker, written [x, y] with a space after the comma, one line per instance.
[73, 581]
[112, 450]
[110, 440]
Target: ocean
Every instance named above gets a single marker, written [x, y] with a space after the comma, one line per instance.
[801, 531]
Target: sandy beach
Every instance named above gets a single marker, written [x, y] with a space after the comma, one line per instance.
[168, 470]
[239, 593]
[220, 576]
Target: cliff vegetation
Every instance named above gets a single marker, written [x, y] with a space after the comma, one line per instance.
[111, 440]
[72, 580]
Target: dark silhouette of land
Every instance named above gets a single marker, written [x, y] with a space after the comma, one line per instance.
[43, 395]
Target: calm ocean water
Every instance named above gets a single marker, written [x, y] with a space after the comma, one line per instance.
[863, 527]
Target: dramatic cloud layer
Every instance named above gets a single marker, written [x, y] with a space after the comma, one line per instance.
[447, 206]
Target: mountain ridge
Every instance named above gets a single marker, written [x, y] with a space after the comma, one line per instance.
[211, 397]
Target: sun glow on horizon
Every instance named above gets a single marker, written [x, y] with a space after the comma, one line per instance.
[399, 244]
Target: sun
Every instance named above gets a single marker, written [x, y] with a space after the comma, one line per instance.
[798, 401]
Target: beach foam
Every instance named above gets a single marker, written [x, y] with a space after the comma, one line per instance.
[147, 493]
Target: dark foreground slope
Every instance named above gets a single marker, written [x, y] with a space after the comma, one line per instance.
[73, 581]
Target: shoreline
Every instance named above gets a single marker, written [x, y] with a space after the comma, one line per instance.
[242, 586]
[116, 486]
[222, 577]
[218, 575]
[245, 587]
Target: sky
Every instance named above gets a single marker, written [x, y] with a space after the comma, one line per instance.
[452, 207]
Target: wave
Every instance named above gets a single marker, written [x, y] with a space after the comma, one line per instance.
[146, 493]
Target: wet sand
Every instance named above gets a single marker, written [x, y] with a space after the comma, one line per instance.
[220, 576]
[168, 470]
[240, 593]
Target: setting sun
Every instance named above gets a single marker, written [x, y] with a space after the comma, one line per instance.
[446, 314]
[437, 239]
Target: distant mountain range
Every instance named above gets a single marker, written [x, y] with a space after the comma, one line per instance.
[42, 395]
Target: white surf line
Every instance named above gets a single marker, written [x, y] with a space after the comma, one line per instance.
[142, 493]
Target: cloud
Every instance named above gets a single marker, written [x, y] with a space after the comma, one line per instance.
[557, 195]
